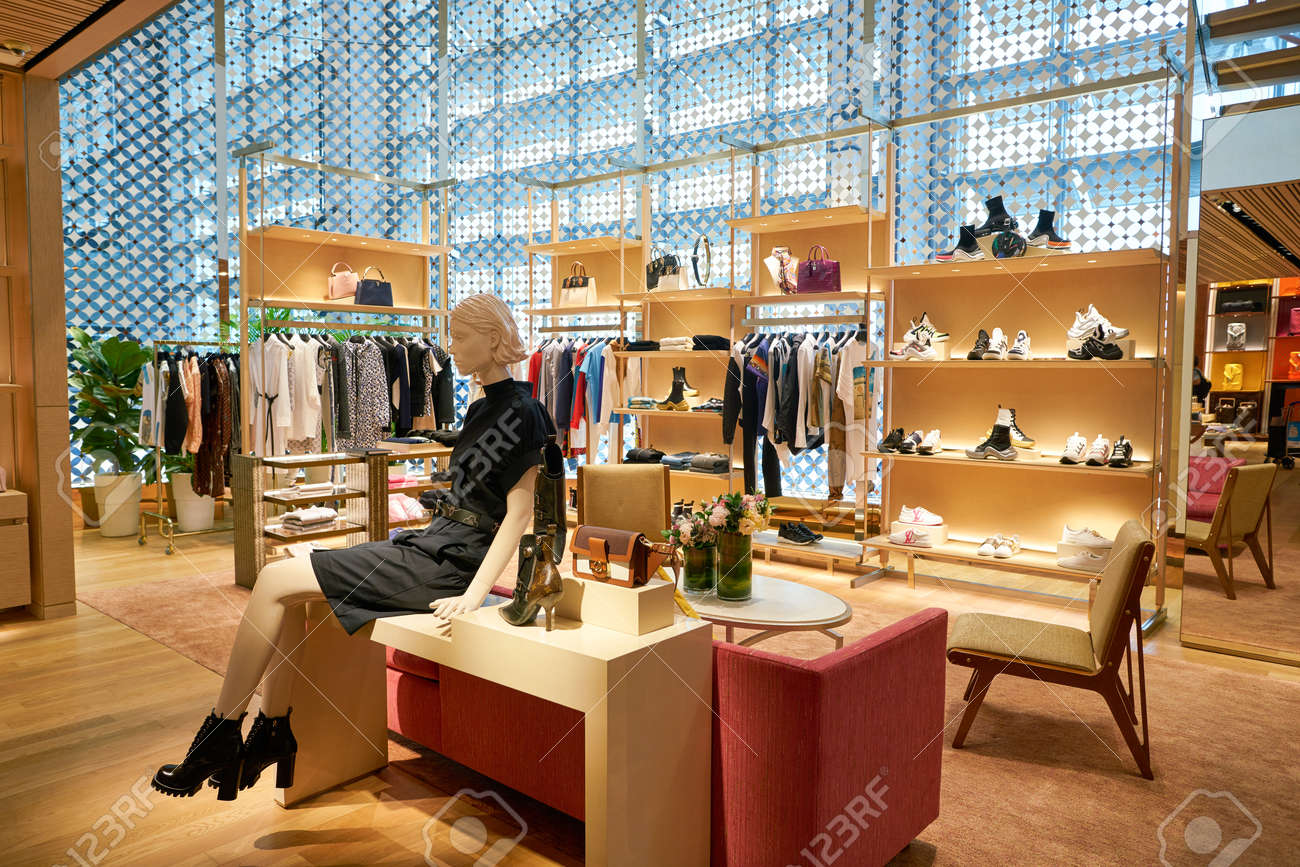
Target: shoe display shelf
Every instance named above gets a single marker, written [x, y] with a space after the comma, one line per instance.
[1053, 397]
[832, 554]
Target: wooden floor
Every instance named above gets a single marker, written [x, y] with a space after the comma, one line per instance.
[91, 707]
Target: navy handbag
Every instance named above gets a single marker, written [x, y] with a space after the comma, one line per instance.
[377, 293]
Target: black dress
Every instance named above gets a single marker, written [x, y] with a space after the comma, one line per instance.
[500, 440]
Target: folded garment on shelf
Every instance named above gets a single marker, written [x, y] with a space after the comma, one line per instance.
[710, 463]
[679, 461]
[309, 517]
[676, 345]
[713, 404]
[404, 508]
[314, 488]
[702, 342]
[642, 346]
[643, 456]
[641, 402]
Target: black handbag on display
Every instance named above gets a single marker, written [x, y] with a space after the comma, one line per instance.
[377, 293]
[660, 266]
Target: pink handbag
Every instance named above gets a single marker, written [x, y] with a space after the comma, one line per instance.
[342, 284]
[818, 273]
[1295, 321]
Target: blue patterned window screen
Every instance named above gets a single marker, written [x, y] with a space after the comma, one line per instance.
[555, 93]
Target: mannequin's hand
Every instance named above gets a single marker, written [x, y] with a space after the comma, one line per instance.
[453, 605]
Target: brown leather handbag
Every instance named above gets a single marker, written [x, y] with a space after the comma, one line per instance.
[627, 548]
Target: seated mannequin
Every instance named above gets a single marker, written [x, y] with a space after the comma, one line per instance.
[449, 567]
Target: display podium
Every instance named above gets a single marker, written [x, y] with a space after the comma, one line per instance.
[646, 701]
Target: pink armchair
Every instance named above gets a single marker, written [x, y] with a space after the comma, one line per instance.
[1205, 478]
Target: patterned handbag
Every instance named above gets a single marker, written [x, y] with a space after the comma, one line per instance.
[818, 273]
[342, 284]
[1236, 335]
[1232, 376]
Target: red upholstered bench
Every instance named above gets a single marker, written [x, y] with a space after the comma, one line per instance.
[794, 741]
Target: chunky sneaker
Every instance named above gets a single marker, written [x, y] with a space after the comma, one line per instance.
[989, 546]
[1098, 452]
[997, 445]
[1121, 455]
[997, 346]
[1083, 561]
[891, 442]
[931, 445]
[981, 346]
[796, 534]
[1086, 537]
[914, 538]
[967, 249]
[918, 515]
[1088, 320]
[1076, 447]
[1008, 546]
[1044, 233]
[924, 331]
[910, 442]
[998, 221]
[1095, 347]
[1019, 438]
[1020, 350]
[915, 352]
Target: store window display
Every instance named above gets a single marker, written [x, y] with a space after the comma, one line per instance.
[449, 567]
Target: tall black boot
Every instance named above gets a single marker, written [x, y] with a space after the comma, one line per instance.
[999, 220]
[217, 748]
[270, 742]
[687, 389]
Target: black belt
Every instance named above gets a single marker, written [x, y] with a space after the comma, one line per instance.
[466, 517]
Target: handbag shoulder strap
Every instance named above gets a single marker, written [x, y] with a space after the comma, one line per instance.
[335, 268]
[377, 268]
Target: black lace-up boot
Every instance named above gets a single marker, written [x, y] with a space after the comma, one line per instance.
[270, 742]
[999, 220]
[218, 748]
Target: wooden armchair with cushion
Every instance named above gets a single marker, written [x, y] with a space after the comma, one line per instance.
[625, 497]
[993, 644]
[1242, 508]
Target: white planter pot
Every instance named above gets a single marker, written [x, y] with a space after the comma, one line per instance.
[118, 499]
[193, 512]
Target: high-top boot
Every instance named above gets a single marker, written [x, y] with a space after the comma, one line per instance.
[270, 742]
[687, 390]
[1019, 438]
[217, 748]
[967, 249]
[998, 443]
[539, 584]
[1044, 234]
[676, 399]
[999, 220]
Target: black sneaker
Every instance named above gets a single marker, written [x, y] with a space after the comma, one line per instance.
[796, 534]
[1096, 347]
[1044, 234]
[981, 346]
[892, 442]
[999, 220]
[967, 249]
[910, 442]
[1121, 455]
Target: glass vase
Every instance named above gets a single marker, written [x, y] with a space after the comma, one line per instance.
[735, 566]
[700, 572]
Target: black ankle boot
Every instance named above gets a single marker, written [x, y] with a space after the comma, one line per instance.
[676, 399]
[270, 742]
[1044, 234]
[999, 220]
[967, 249]
[217, 748]
[687, 390]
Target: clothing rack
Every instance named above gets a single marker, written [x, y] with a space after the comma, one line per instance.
[167, 524]
[324, 325]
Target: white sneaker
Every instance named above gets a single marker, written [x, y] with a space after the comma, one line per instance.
[915, 538]
[915, 351]
[931, 445]
[1020, 351]
[1099, 452]
[1008, 546]
[1075, 449]
[1087, 537]
[989, 547]
[1084, 561]
[924, 331]
[997, 346]
[1087, 321]
[919, 516]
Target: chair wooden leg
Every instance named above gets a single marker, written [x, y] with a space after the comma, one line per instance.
[1113, 692]
[978, 688]
[1265, 566]
[1224, 578]
[970, 685]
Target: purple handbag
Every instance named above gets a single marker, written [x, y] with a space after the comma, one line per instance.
[1295, 321]
[818, 273]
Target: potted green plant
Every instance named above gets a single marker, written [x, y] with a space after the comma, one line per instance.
[698, 540]
[737, 517]
[106, 379]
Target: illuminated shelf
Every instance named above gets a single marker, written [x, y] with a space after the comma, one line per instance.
[338, 528]
[339, 239]
[1028, 560]
[1034, 260]
[1029, 364]
[581, 246]
[1048, 463]
[797, 221]
[677, 296]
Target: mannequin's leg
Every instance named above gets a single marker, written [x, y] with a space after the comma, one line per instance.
[284, 586]
[277, 686]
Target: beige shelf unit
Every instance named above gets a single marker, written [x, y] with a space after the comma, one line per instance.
[1053, 399]
[1263, 361]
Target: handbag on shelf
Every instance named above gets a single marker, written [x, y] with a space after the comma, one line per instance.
[377, 293]
[1236, 335]
[1247, 415]
[702, 263]
[342, 284]
[1232, 373]
[578, 289]
[661, 265]
[818, 273]
[1294, 371]
[623, 557]
[1294, 325]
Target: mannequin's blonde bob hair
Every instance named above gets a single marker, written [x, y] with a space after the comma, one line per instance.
[488, 314]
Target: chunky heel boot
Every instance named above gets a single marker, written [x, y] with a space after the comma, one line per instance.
[217, 749]
[676, 399]
[687, 390]
[270, 742]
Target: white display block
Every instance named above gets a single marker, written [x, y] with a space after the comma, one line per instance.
[1128, 346]
[630, 610]
[1028, 454]
[938, 532]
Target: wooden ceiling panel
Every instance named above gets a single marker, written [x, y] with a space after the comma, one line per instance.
[40, 23]
[1227, 250]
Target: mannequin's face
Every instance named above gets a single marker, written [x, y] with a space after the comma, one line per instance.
[472, 350]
